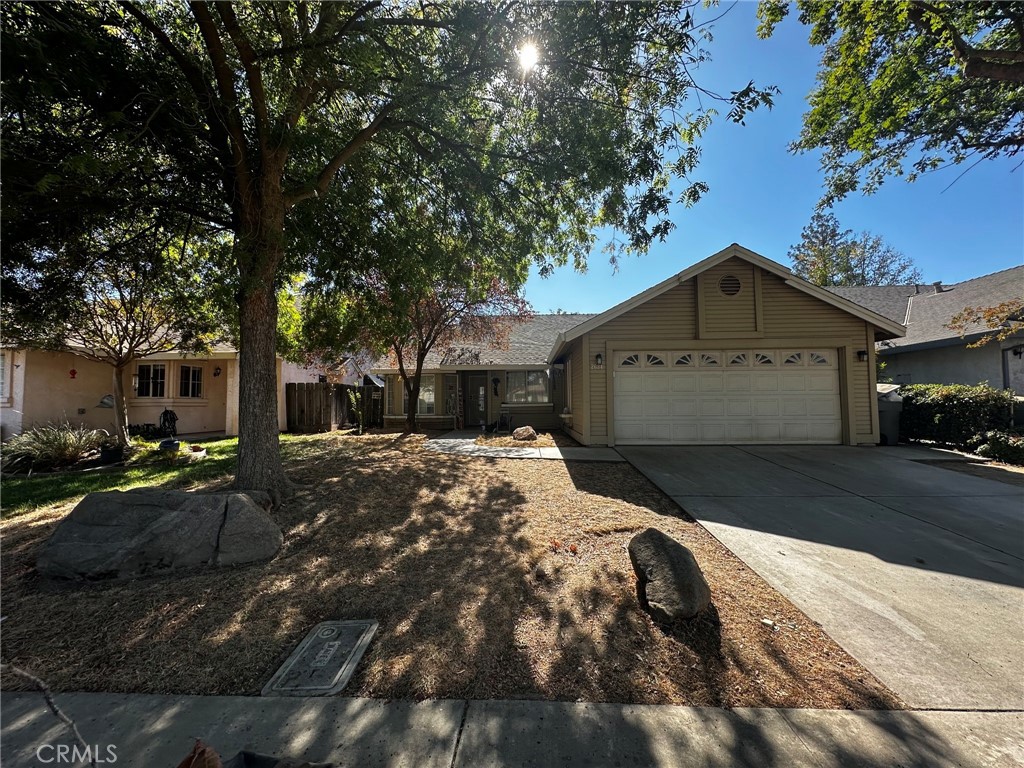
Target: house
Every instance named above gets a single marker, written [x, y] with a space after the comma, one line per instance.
[734, 349]
[39, 387]
[931, 353]
[471, 386]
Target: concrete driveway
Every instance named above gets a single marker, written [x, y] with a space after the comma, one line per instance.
[916, 570]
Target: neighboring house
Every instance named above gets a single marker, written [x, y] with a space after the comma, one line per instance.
[470, 386]
[735, 349]
[41, 387]
[931, 353]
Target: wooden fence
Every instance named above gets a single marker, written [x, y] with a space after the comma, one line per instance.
[314, 407]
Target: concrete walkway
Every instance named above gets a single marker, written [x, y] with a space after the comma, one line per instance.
[159, 731]
[463, 443]
[916, 570]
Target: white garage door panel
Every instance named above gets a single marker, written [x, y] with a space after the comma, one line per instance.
[747, 396]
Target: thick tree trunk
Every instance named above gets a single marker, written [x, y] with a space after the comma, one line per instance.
[259, 456]
[259, 251]
[120, 408]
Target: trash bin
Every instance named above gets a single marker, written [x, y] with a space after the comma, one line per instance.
[890, 405]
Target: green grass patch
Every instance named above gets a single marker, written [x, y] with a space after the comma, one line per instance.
[146, 468]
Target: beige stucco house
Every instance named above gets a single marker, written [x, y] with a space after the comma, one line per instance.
[39, 387]
[735, 349]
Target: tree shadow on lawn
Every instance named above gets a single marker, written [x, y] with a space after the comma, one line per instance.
[440, 563]
[439, 550]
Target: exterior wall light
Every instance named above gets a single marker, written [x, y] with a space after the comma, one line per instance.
[599, 360]
[862, 355]
[216, 372]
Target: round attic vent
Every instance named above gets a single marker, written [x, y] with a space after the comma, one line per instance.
[729, 285]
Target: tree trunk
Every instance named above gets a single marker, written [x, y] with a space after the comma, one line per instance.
[413, 388]
[259, 251]
[120, 408]
[259, 455]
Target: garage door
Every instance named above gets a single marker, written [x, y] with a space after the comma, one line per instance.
[727, 396]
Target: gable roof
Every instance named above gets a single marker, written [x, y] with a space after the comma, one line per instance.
[527, 344]
[889, 326]
[928, 311]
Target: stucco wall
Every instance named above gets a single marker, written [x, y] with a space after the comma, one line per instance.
[195, 415]
[51, 395]
[946, 365]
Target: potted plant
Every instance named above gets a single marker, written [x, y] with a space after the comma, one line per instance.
[111, 451]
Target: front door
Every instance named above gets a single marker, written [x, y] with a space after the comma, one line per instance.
[476, 400]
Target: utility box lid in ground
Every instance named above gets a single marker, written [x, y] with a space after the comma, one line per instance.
[324, 661]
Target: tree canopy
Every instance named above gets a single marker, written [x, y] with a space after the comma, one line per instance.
[907, 87]
[291, 125]
[829, 255]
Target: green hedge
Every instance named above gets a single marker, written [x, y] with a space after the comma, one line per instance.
[953, 414]
[1003, 446]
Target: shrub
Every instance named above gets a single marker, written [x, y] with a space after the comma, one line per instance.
[1003, 446]
[953, 414]
[53, 445]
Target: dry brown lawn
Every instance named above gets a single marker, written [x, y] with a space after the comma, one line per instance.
[441, 550]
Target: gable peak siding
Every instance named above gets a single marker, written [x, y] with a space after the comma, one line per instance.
[722, 315]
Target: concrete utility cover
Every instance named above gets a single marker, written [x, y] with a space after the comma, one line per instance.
[324, 660]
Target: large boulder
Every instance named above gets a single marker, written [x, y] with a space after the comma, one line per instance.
[117, 534]
[524, 434]
[670, 583]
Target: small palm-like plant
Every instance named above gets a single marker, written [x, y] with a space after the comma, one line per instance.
[51, 445]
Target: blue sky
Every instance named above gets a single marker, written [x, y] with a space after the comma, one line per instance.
[762, 195]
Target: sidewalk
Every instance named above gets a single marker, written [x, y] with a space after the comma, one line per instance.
[463, 443]
[156, 731]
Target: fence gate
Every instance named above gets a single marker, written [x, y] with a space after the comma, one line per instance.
[314, 407]
[310, 407]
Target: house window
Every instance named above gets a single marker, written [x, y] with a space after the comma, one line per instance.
[425, 404]
[152, 380]
[190, 381]
[3, 376]
[527, 387]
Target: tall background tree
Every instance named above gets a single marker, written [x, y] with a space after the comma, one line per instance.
[829, 255]
[907, 87]
[261, 117]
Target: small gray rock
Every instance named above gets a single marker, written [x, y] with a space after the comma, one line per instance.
[671, 585]
[117, 534]
[524, 433]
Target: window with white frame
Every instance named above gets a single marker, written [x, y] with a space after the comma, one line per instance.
[425, 404]
[527, 387]
[190, 381]
[4, 389]
[152, 380]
